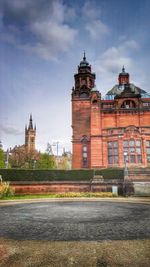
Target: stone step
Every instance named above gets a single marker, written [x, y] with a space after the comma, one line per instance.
[139, 174]
[139, 178]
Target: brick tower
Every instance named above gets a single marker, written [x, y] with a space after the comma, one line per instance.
[30, 134]
[82, 96]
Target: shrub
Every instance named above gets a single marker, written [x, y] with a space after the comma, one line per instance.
[84, 194]
[5, 189]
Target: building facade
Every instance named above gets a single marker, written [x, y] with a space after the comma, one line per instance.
[105, 130]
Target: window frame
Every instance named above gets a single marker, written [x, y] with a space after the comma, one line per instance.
[148, 153]
[133, 148]
[112, 151]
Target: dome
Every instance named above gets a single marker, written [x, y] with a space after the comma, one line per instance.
[123, 72]
[118, 89]
[84, 62]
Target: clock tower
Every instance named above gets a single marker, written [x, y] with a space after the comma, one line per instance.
[30, 134]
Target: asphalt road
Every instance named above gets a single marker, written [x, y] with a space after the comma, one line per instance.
[68, 221]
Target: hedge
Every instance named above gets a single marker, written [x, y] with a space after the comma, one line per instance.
[58, 175]
[111, 173]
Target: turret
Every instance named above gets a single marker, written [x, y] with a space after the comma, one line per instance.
[84, 79]
[123, 77]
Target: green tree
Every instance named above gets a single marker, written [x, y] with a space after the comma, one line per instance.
[22, 159]
[46, 161]
[64, 162]
[2, 158]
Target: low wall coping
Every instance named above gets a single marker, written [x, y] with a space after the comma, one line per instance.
[63, 182]
[48, 182]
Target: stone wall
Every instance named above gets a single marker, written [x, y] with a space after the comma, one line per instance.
[141, 188]
[62, 187]
[128, 188]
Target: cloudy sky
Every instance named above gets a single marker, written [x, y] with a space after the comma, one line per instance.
[41, 45]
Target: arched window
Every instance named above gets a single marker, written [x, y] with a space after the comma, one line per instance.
[85, 155]
[128, 104]
[84, 95]
[94, 101]
[83, 81]
[90, 83]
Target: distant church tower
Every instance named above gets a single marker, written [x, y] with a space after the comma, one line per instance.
[30, 134]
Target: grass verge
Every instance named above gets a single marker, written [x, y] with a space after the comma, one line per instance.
[62, 195]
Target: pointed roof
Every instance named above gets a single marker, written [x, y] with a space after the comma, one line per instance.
[30, 123]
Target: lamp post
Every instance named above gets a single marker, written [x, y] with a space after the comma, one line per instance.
[7, 159]
[125, 166]
[56, 144]
[34, 164]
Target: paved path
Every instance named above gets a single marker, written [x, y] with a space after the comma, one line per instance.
[80, 220]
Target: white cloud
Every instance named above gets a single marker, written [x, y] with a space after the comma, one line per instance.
[51, 38]
[131, 44]
[90, 11]
[110, 63]
[39, 27]
[11, 130]
[114, 58]
[93, 23]
[97, 29]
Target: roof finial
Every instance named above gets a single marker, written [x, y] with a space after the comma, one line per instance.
[123, 69]
[84, 58]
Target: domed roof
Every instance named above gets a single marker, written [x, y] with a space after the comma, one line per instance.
[123, 72]
[84, 62]
[118, 89]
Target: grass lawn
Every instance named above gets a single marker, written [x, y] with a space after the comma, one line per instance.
[132, 253]
[61, 195]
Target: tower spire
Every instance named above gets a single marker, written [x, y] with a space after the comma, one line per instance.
[30, 134]
[84, 57]
[123, 69]
[30, 122]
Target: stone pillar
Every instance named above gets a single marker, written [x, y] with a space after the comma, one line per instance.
[96, 139]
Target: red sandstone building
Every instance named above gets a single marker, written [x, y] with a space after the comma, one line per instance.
[105, 130]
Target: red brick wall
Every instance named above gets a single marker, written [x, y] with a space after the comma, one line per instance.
[81, 127]
[51, 188]
[63, 187]
[89, 119]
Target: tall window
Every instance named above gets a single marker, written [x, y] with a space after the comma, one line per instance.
[133, 149]
[113, 152]
[148, 151]
[83, 81]
[85, 155]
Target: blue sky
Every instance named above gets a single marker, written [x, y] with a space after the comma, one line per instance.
[41, 45]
